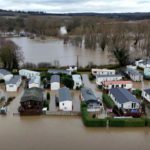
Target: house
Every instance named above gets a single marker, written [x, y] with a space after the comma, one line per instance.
[31, 102]
[13, 84]
[134, 74]
[103, 72]
[102, 78]
[93, 103]
[35, 81]
[5, 75]
[124, 99]
[59, 71]
[107, 85]
[65, 99]
[147, 73]
[28, 73]
[77, 81]
[146, 94]
[55, 82]
[143, 63]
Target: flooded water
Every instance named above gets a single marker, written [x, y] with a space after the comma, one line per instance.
[51, 50]
[66, 133]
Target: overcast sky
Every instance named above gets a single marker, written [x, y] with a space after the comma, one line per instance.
[65, 6]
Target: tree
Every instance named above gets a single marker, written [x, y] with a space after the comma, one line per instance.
[10, 54]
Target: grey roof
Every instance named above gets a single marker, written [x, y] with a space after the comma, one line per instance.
[147, 91]
[88, 94]
[53, 71]
[110, 75]
[133, 72]
[55, 78]
[64, 94]
[34, 94]
[35, 79]
[145, 62]
[122, 95]
[14, 79]
[4, 72]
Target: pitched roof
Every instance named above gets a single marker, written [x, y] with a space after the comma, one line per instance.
[147, 91]
[59, 71]
[34, 94]
[110, 75]
[122, 95]
[116, 82]
[76, 77]
[88, 94]
[35, 79]
[133, 71]
[14, 79]
[55, 78]
[4, 72]
[64, 94]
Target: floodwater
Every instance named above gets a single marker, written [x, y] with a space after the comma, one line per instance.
[52, 50]
[66, 133]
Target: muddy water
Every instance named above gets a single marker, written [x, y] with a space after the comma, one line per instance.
[51, 50]
[43, 133]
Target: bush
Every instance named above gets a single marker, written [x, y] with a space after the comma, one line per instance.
[2, 81]
[46, 104]
[48, 96]
[108, 101]
[91, 122]
[91, 77]
[67, 81]
[137, 93]
[126, 122]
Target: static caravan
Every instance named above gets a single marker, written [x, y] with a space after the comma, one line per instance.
[35, 82]
[59, 71]
[65, 99]
[28, 73]
[146, 94]
[93, 103]
[77, 81]
[5, 75]
[13, 84]
[124, 99]
[102, 78]
[143, 63]
[103, 72]
[55, 82]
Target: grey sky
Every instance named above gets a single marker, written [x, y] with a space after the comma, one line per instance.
[64, 6]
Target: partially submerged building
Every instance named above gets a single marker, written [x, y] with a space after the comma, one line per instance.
[93, 103]
[96, 71]
[59, 71]
[124, 99]
[31, 102]
[28, 73]
[146, 94]
[35, 81]
[77, 81]
[13, 84]
[65, 99]
[55, 82]
[5, 75]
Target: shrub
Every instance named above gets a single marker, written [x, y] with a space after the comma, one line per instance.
[108, 101]
[126, 122]
[137, 93]
[48, 96]
[2, 81]
[91, 77]
[147, 122]
[91, 122]
[67, 81]
[46, 104]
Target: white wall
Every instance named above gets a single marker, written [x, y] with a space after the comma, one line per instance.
[55, 86]
[65, 105]
[146, 96]
[103, 72]
[34, 85]
[126, 86]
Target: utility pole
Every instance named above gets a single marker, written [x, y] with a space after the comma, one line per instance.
[77, 61]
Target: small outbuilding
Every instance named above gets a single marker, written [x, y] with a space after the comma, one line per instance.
[13, 84]
[35, 82]
[55, 82]
[77, 81]
[5, 75]
[65, 99]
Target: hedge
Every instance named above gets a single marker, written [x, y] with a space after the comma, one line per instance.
[126, 122]
[147, 122]
[137, 93]
[91, 122]
[108, 101]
